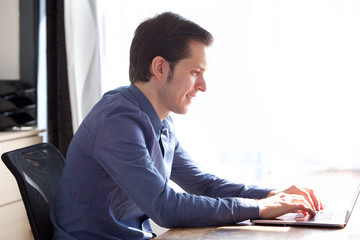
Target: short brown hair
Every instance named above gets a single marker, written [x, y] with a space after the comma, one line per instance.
[166, 35]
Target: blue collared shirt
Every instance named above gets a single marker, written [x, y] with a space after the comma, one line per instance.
[116, 177]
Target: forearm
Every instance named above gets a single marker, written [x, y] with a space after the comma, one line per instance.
[187, 210]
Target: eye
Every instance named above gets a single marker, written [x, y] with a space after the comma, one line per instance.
[195, 72]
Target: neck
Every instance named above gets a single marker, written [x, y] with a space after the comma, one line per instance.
[151, 94]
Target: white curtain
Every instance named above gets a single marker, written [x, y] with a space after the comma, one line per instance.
[283, 89]
[83, 55]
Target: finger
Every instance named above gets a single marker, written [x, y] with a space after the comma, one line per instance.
[306, 210]
[304, 213]
[312, 198]
[302, 204]
[310, 211]
[306, 193]
[315, 199]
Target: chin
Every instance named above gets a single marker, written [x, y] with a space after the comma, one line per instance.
[181, 111]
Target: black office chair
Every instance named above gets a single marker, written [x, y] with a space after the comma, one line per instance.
[37, 170]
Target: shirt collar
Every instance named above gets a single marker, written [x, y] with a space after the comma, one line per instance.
[146, 107]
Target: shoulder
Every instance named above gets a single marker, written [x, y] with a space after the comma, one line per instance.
[122, 110]
[114, 102]
[116, 110]
[118, 98]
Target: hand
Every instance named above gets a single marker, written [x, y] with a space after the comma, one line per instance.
[291, 199]
[309, 195]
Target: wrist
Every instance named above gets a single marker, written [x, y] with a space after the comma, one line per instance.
[272, 193]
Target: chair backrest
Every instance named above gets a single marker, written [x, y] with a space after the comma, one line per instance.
[37, 170]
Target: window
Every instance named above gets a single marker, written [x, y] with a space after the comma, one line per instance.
[282, 82]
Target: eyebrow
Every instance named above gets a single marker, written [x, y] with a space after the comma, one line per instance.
[200, 67]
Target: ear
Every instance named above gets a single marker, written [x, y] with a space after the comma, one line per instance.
[159, 67]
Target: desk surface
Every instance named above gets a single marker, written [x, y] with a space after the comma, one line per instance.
[246, 230]
[11, 135]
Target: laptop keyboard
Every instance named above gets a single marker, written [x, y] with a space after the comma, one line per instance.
[322, 216]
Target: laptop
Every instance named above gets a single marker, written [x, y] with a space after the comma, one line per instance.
[324, 218]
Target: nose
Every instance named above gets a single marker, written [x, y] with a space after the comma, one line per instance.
[201, 84]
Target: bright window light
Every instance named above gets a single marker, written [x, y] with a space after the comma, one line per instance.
[283, 82]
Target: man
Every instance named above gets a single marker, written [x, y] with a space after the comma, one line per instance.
[125, 151]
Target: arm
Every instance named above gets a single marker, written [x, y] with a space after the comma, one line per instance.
[128, 151]
[272, 204]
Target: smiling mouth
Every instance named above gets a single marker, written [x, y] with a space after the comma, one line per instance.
[190, 97]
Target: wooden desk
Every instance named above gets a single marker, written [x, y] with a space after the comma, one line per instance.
[335, 182]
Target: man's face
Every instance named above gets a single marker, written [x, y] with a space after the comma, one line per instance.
[185, 81]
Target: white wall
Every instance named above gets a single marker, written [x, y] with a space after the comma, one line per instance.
[9, 41]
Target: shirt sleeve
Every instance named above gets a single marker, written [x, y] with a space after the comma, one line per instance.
[123, 145]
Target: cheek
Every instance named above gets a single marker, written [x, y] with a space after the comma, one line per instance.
[183, 84]
[190, 81]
